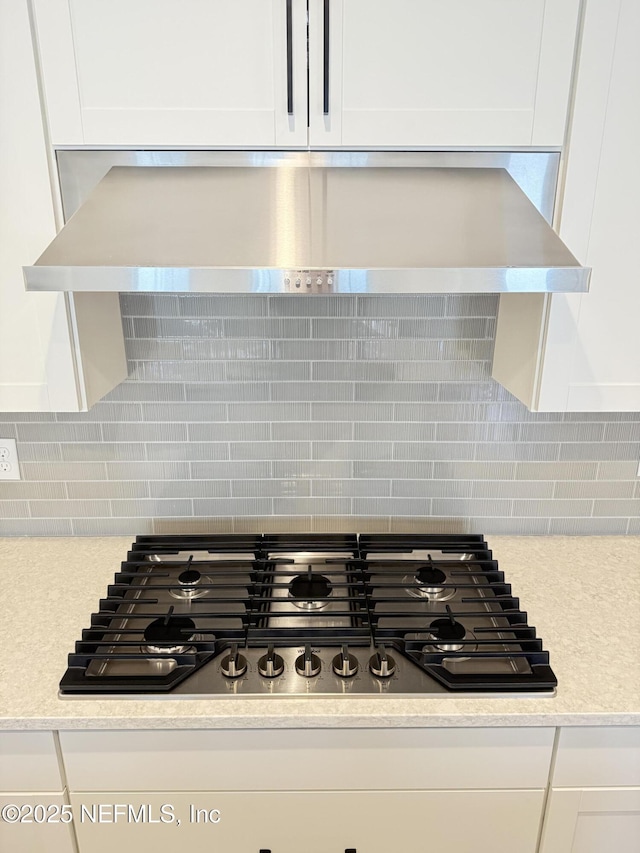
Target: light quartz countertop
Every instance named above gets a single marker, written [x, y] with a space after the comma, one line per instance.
[581, 593]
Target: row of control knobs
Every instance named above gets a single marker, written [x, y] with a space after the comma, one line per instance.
[308, 664]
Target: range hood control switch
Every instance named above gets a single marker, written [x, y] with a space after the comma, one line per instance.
[308, 281]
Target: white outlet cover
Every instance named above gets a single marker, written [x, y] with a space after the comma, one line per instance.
[9, 468]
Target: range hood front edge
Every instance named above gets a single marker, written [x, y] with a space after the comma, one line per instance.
[394, 223]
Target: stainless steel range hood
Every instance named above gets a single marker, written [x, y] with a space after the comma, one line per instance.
[308, 222]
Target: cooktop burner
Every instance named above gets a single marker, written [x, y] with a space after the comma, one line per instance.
[307, 614]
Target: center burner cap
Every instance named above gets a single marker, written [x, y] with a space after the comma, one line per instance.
[430, 577]
[310, 590]
[169, 634]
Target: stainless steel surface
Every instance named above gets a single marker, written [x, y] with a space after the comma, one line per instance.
[289, 651]
[407, 680]
[535, 172]
[317, 222]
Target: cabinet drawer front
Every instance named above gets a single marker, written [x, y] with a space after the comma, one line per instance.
[597, 757]
[28, 762]
[34, 836]
[291, 822]
[371, 759]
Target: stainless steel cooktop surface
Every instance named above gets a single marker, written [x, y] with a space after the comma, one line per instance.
[306, 614]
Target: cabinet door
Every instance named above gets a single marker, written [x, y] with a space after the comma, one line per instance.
[174, 72]
[315, 822]
[42, 831]
[594, 820]
[431, 73]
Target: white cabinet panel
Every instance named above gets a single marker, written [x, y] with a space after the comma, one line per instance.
[28, 762]
[34, 836]
[208, 72]
[433, 73]
[592, 821]
[318, 822]
[29, 325]
[584, 816]
[606, 371]
[582, 352]
[597, 757]
[172, 72]
[49, 358]
[308, 759]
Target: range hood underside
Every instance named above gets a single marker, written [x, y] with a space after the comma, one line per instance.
[307, 223]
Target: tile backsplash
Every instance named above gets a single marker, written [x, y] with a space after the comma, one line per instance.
[322, 413]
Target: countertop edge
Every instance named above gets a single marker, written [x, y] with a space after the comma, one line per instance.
[320, 722]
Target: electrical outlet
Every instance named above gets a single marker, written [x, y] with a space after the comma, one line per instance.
[9, 468]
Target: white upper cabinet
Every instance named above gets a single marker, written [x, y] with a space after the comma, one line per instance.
[58, 352]
[440, 73]
[412, 73]
[174, 72]
[581, 353]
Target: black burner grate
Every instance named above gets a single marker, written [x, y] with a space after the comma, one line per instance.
[249, 591]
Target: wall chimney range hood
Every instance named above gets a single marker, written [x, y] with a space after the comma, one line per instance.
[307, 223]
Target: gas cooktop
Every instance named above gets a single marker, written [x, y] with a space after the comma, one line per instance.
[308, 614]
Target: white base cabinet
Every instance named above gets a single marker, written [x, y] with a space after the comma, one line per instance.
[594, 803]
[39, 829]
[30, 780]
[317, 791]
[327, 790]
[592, 820]
[317, 822]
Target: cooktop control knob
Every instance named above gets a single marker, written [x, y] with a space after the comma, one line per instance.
[345, 664]
[381, 664]
[271, 665]
[234, 664]
[308, 664]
